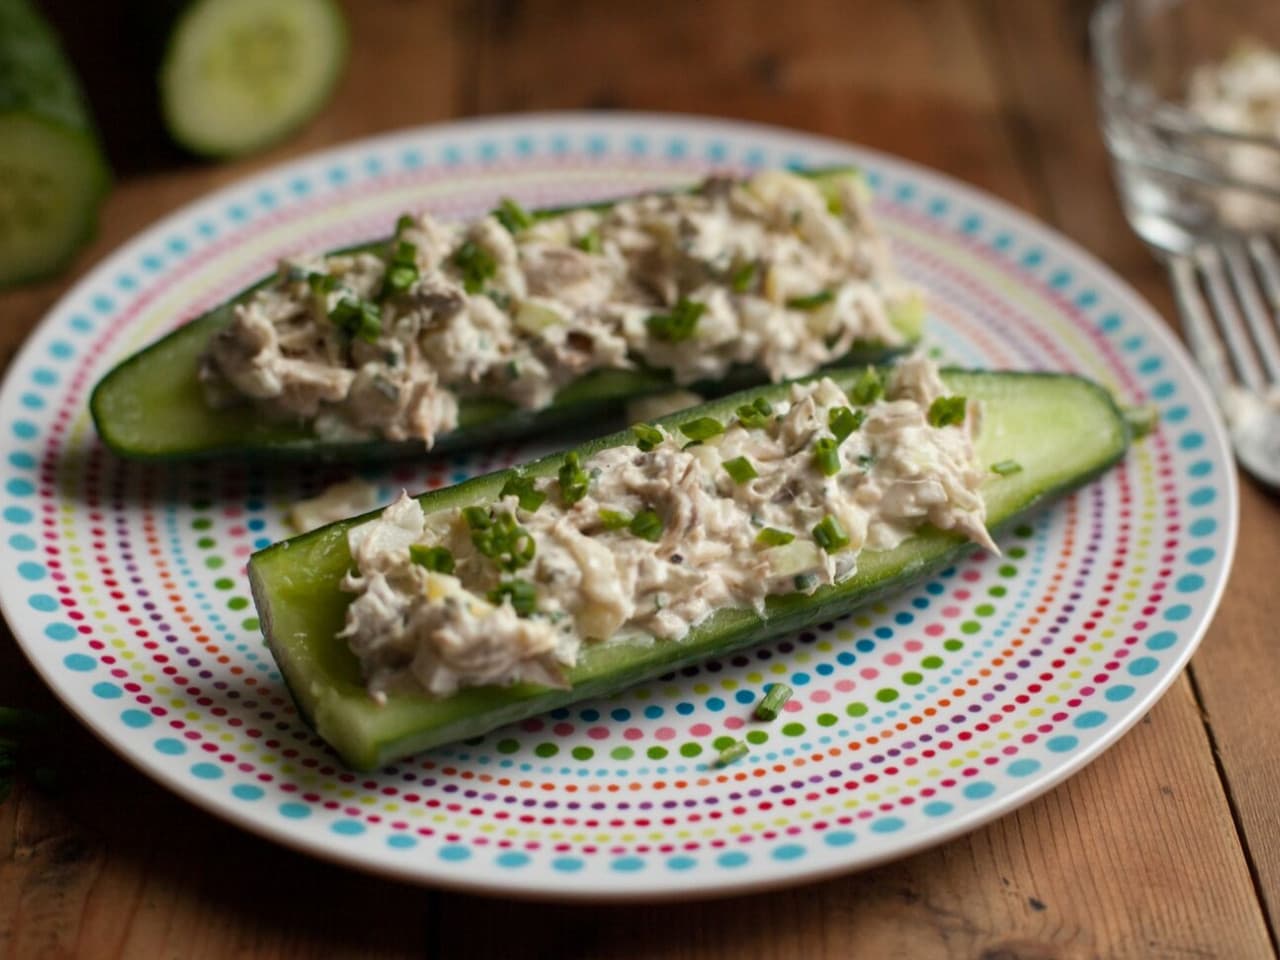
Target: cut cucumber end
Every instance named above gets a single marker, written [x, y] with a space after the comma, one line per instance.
[241, 74]
[52, 179]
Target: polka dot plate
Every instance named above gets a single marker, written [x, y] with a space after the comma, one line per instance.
[913, 721]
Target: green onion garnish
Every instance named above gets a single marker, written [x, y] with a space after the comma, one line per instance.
[357, 318]
[522, 594]
[435, 559]
[805, 582]
[830, 535]
[402, 270]
[321, 283]
[573, 480]
[756, 414]
[646, 525]
[1006, 467]
[744, 278]
[679, 324]
[947, 411]
[522, 488]
[614, 519]
[703, 428]
[826, 456]
[866, 461]
[844, 421]
[404, 222]
[589, 242]
[476, 265]
[773, 702]
[732, 753]
[812, 302]
[500, 538]
[647, 437]
[773, 537]
[868, 389]
[512, 216]
[740, 469]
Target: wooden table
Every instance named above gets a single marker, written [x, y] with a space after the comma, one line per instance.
[1168, 846]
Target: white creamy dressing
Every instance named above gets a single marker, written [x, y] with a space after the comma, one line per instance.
[787, 274]
[425, 630]
[1241, 94]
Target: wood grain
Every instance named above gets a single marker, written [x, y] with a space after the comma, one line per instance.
[1139, 855]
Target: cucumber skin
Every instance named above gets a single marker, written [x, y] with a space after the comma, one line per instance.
[295, 442]
[37, 80]
[334, 688]
[177, 11]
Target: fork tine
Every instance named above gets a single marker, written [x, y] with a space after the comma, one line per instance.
[1256, 313]
[1201, 334]
[1228, 316]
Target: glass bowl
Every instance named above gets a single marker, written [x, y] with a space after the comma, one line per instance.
[1186, 172]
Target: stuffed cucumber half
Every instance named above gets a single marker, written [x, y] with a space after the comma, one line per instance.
[451, 334]
[446, 616]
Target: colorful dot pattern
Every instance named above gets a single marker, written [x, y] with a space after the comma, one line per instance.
[912, 720]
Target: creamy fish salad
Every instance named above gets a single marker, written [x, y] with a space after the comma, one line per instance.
[641, 542]
[780, 272]
[1241, 94]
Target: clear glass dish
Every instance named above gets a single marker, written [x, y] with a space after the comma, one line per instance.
[1183, 179]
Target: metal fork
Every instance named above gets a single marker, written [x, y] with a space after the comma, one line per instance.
[1228, 293]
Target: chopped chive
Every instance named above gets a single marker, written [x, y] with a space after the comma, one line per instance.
[1006, 467]
[477, 518]
[732, 753]
[773, 702]
[740, 469]
[804, 582]
[476, 265]
[589, 242]
[744, 278]
[844, 421]
[614, 519]
[773, 537]
[868, 389]
[756, 414]
[435, 559]
[646, 525]
[826, 456]
[404, 222]
[321, 283]
[830, 535]
[402, 270]
[573, 480]
[509, 545]
[703, 428]
[947, 411]
[522, 488]
[512, 216]
[679, 324]
[812, 302]
[357, 318]
[522, 595]
[647, 436]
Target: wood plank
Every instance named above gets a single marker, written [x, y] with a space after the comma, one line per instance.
[884, 75]
[1236, 670]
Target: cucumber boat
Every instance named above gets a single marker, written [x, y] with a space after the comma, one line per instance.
[152, 406]
[1059, 430]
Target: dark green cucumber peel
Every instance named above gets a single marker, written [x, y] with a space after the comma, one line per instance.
[150, 406]
[52, 172]
[1062, 430]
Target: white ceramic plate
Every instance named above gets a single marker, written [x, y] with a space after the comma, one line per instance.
[913, 722]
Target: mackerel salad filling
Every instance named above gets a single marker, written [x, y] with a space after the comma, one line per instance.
[642, 542]
[780, 272]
